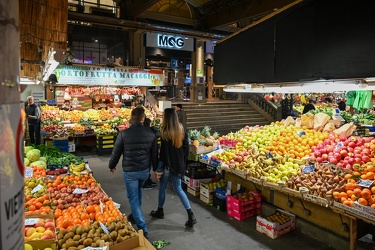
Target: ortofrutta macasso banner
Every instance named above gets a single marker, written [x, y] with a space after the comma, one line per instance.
[11, 177]
[99, 75]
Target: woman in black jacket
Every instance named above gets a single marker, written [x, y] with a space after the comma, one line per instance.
[174, 152]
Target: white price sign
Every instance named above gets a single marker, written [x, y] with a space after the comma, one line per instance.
[117, 205]
[37, 188]
[80, 191]
[31, 221]
[95, 248]
[105, 229]
[29, 172]
[83, 172]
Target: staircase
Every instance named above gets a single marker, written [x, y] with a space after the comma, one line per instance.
[222, 116]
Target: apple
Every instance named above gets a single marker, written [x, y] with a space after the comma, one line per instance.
[49, 224]
[342, 138]
[343, 153]
[349, 167]
[337, 156]
[325, 157]
[45, 237]
[317, 153]
[352, 144]
[340, 165]
[366, 158]
[39, 223]
[319, 159]
[333, 160]
[351, 161]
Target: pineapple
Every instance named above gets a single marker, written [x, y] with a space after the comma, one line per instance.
[202, 141]
[195, 136]
[206, 131]
[215, 135]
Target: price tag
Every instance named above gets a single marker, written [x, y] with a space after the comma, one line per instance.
[308, 169]
[31, 221]
[95, 248]
[301, 133]
[29, 172]
[269, 155]
[37, 188]
[365, 183]
[83, 172]
[101, 206]
[105, 229]
[80, 191]
[117, 205]
[340, 145]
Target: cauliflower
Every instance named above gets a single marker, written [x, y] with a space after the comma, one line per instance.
[39, 164]
[33, 155]
[27, 149]
[26, 162]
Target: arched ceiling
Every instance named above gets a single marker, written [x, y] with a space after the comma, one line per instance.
[216, 16]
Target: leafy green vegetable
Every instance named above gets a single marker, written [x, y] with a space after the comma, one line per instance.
[160, 243]
[33, 155]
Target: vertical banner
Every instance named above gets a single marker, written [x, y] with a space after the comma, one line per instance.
[11, 135]
[11, 177]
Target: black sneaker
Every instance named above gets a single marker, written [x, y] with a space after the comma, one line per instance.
[148, 185]
[153, 184]
[146, 235]
[157, 214]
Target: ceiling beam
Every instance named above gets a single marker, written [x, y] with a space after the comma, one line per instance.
[148, 15]
[241, 10]
[131, 9]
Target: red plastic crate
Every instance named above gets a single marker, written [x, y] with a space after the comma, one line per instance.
[243, 215]
[240, 205]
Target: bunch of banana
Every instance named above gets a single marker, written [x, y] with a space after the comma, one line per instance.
[77, 169]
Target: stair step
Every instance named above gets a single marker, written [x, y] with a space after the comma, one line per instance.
[223, 115]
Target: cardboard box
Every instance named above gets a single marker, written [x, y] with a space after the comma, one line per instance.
[207, 200]
[135, 242]
[195, 183]
[193, 192]
[201, 149]
[275, 230]
[205, 191]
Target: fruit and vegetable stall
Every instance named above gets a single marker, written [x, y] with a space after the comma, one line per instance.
[89, 127]
[317, 169]
[66, 208]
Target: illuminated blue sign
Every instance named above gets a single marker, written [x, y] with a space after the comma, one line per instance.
[170, 41]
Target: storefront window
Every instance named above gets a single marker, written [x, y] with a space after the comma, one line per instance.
[97, 45]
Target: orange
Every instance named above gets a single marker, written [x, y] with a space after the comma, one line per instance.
[362, 201]
[366, 193]
[357, 192]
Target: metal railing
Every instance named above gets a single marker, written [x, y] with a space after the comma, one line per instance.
[268, 109]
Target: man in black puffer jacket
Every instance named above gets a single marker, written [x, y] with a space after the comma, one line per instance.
[138, 146]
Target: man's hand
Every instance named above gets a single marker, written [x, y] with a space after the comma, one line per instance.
[112, 170]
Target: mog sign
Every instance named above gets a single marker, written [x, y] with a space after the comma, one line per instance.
[170, 41]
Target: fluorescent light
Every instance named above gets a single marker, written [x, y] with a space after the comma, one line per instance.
[319, 86]
[50, 68]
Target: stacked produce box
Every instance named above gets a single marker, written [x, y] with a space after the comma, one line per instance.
[68, 209]
[245, 205]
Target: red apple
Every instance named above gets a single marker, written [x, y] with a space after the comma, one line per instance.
[325, 157]
[332, 160]
[319, 159]
[343, 153]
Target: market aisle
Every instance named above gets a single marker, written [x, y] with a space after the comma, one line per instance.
[215, 230]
